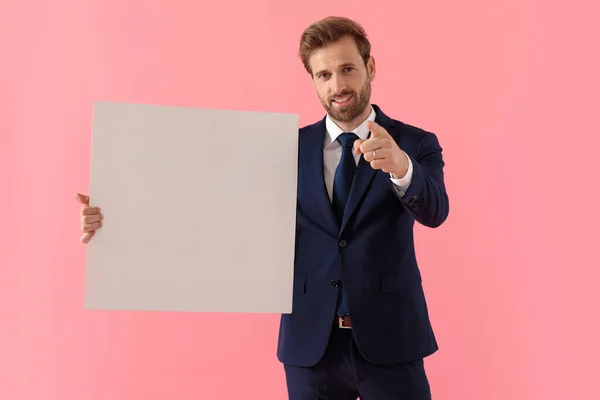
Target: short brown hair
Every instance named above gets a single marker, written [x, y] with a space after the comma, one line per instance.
[329, 30]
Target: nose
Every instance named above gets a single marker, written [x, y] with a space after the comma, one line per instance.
[337, 84]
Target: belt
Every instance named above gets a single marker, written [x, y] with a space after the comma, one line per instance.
[342, 322]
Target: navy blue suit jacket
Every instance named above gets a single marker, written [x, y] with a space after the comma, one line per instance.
[372, 253]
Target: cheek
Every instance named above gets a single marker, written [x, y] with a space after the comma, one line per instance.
[322, 90]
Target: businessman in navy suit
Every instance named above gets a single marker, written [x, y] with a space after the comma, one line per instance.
[359, 325]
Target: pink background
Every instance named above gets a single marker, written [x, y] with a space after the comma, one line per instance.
[510, 87]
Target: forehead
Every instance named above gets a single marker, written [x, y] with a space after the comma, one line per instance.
[336, 54]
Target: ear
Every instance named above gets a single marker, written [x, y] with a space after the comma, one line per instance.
[371, 70]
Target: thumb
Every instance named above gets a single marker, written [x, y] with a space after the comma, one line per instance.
[357, 144]
[82, 198]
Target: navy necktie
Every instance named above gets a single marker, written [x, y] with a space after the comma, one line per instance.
[344, 175]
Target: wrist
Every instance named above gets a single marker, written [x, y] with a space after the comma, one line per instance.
[400, 172]
[399, 175]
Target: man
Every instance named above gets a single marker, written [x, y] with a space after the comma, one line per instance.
[359, 325]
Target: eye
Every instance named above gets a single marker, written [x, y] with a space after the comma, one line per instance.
[324, 75]
[348, 69]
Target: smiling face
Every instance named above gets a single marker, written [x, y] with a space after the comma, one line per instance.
[343, 81]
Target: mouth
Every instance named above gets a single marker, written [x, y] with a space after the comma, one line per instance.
[342, 101]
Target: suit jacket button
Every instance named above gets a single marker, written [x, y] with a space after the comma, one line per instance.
[335, 283]
[343, 243]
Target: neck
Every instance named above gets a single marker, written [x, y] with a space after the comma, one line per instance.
[352, 125]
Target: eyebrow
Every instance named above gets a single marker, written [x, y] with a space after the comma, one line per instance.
[348, 64]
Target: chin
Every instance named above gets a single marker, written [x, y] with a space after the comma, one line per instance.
[346, 114]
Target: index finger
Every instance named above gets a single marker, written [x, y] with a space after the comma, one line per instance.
[376, 129]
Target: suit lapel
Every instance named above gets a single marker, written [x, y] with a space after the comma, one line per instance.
[311, 143]
[364, 172]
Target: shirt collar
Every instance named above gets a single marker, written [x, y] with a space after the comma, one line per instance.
[333, 131]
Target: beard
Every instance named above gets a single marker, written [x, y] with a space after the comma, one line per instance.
[358, 103]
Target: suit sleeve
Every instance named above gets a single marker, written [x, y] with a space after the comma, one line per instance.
[426, 198]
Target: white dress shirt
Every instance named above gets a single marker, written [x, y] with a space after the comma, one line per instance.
[332, 153]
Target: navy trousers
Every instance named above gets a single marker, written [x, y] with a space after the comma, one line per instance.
[343, 374]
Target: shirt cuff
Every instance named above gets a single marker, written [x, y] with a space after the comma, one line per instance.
[401, 185]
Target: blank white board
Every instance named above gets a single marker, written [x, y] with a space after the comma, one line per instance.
[199, 209]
